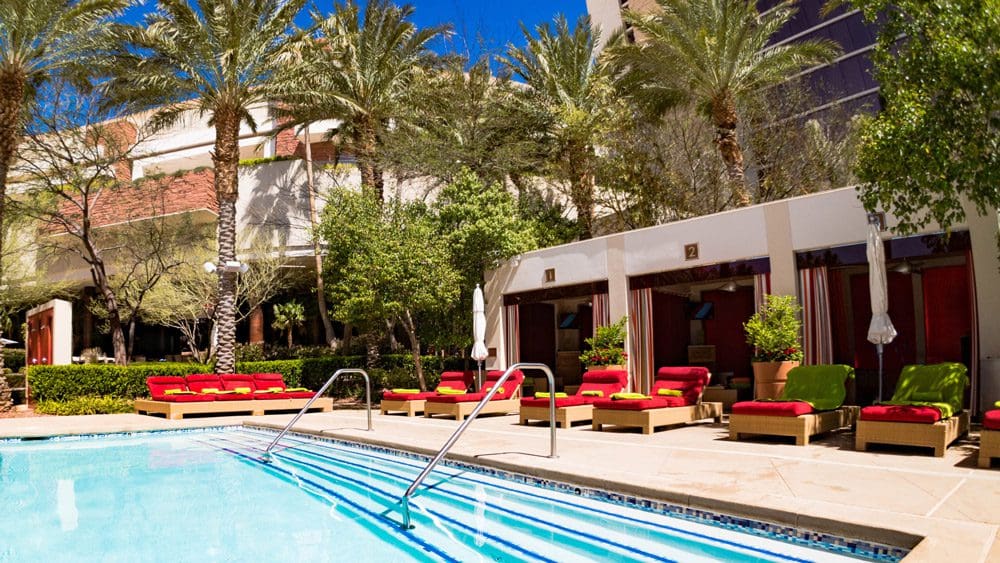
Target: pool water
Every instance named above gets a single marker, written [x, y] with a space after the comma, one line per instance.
[207, 496]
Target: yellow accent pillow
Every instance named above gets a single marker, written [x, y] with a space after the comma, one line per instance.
[487, 390]
[450, 391]
[400, 391]
[621, 396]
[594, 393]
[178, 392]
[275, 389]
[669, 393]
[296, 389]
[210, 390]
[243, 390]
[545, 395]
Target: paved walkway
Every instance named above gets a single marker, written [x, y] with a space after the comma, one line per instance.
[890, 495]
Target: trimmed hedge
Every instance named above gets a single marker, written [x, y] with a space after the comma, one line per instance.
[85, 405]
[64, 383]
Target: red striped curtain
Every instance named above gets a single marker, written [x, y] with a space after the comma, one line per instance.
[761, 287]
[512, 334]
[640, 339]
[817, 335]
[602, 311]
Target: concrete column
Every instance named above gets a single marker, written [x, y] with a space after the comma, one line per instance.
[257, 325]
[617, 279]
[496, 281]
[778, 227]
[984, 230]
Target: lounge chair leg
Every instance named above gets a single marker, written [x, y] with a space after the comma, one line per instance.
[596, 427]
[802, 440]
[524, 421]
[427, 414]
[175, 415]
[565, 424]
[938, 451]
[733, 435]
[647, 429]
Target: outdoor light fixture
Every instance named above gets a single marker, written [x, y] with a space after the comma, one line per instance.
[729, 286]
[229, 266]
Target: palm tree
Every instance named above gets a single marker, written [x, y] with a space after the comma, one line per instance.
[569, 94]
[37, 40]
[713, 53]
[364, 68]
[219, 57]
[287, 316]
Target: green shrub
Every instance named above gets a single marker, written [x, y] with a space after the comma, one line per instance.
[13, 359]
[63, 383]
[291, 370]
[250, 353]
[85, 405]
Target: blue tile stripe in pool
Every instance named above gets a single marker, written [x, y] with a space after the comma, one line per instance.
[797, 536]
[496, 508]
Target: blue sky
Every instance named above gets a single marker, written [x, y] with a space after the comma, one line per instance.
[478, 25]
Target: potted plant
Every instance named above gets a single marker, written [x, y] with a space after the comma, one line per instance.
[607, 347]
[774, 334]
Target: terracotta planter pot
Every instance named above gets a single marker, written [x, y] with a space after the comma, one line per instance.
[770, 377]
[596, 368]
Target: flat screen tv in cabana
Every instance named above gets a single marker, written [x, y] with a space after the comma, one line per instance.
[551, 326]
[680, 317]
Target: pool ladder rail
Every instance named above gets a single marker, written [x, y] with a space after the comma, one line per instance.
[404, 501]
[368, 402]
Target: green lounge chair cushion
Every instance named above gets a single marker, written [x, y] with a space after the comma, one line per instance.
[406, 391]
[450, 391]
[545, 395]
[821, 386]
[593, 393]
[997, 404]
[178, 392]
[669, 393]
[624, 396]
[917, 383]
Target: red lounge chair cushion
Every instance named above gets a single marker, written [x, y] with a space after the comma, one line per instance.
[457, 379]
[607, 381]
[160, 384]
[772, 408]
[689, 380]
[639, 404]
[390, 396]
[265, 381]
[991, 420]
[467, 398]
[201, 381]
[234, 381]
[570, 401]
[896, 413]
[510, 388]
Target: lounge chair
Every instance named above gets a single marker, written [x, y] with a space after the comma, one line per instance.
[674, 399]
[275, 384]
[460, 406]
[596, 385]
[244, 383]
[989, 438]
[211, 384]
[811, 403]
[926, 410]
[174, 389]
[412, 403]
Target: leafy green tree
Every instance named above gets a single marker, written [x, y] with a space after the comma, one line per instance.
[936, 142]
[218, 57]
[713, 53]
[363, 67]
[569, 98]
[389, 264]
[38, 39]
[287, 316]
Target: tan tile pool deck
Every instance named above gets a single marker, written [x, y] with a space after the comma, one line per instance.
[893, 495]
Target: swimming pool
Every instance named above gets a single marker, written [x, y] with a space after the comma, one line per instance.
[206, 496]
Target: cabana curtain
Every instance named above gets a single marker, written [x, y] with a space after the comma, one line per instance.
[640, 339]
[512, 334]
[602, 311]
[761, 287]
[817, 334]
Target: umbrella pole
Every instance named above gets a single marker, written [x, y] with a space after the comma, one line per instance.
[880, 349]
[479, 378]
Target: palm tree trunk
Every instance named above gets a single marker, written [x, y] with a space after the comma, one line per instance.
[582, 189]
[725, 119]
[324, 315]
[289, 337]
[226, 158]
[12, 85]
[366, 148]
[411, 331]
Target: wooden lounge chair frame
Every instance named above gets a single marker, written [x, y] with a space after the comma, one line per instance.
[461, 410]
[565, 416]
[989, 447]
[801, 427]
[411, 406]
[938, 435]
[256, 407]
[649, 419]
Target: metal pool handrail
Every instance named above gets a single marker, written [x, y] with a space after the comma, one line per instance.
[338, 373]
[405, 500]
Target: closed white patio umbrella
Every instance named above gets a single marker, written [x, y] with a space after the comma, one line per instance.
[880, 331]
[479, 352]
